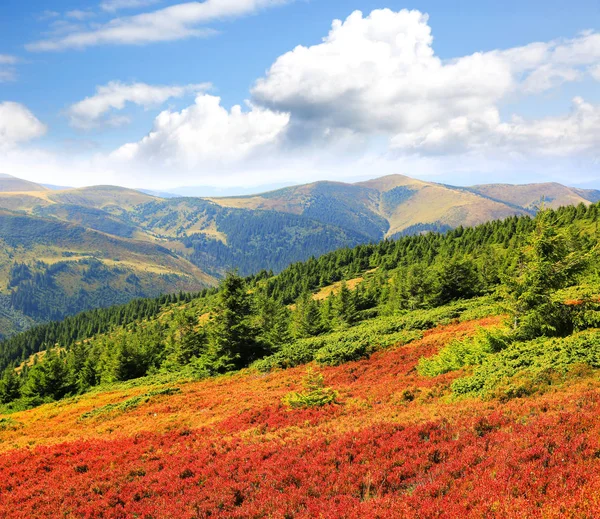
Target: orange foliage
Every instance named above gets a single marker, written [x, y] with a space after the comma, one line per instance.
[396, 446]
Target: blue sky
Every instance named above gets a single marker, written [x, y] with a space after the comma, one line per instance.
[509, 91]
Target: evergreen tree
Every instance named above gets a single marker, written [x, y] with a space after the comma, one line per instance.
[48, 378]
[272, 321]
[549, 262]
[307, 317]
[191, 340]
[457, 279]
[10, 386]
[345, 305]
[233, 343]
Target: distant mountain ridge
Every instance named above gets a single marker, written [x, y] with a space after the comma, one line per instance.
[408, 204]
[66, 250]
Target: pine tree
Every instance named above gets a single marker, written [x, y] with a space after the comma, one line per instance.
[307, 317]
[48, 378]
[547, 263]
[191, 340]
[272, 322]
[10, 386]
[345, 305]
[233, 343]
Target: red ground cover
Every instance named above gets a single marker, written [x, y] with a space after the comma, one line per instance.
[394, 447]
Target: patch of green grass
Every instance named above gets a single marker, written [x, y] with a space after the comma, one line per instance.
[129, 404]
[9, 424]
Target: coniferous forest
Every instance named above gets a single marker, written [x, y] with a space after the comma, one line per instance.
[340, 307]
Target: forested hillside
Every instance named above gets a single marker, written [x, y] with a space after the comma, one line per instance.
[441, 369]
[379, 294]
[65, 251]
[51, 269]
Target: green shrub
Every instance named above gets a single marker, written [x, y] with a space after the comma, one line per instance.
[315, 393]
[129, 404]
[524, 367]
[468, 352]
[9, 424]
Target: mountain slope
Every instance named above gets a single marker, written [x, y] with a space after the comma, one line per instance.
[201, 239]
[531, 196]
[394, 205]
[9, 184]
[408, 409]
[50, 269]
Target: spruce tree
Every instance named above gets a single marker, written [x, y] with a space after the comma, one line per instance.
[10, 386]
[548, 262]
[345, 305]
[307, 317]
[233, 343]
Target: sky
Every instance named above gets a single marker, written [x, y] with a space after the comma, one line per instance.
[242, 94]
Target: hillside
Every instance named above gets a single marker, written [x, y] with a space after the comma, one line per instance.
[50, 269]
[454, 372]
[199, 240]
[397, 205]
[530, 196]
[10, 184]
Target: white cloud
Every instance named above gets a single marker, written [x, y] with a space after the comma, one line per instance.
[78, 14]
[6, 59]
[47, 15]
[379, 75]
[18, 125]
[171, 23]
[115, 5]
[115, 95]
[576, 133]
[206, 133]
[372, 98]
[7, 71]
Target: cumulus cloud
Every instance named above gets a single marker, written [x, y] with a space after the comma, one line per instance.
[206, 133]
[379, 75]
[6, 59]
[371, 96]
[171, 23]
[577, 132]
[115, 5]
[18, 125]
[90, 112]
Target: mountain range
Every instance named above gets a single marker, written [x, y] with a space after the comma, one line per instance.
[63, 251]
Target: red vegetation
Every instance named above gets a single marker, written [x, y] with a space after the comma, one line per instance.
[394, 448]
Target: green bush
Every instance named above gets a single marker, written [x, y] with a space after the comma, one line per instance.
[523, 366]
[468, 352]
[314, 395]
[129, 404]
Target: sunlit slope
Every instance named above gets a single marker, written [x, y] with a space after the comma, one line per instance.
[207, 237]
[109, 198]
[394, 445]
[50, 268]
[397, 204]
[531, 196]
[9, 184]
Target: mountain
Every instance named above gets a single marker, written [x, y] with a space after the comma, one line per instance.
[397, 205]
[531, 196]
[51, 268]
[10, 184]
[147, 244]
[395, 386]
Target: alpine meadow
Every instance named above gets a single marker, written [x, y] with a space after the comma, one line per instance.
[221, 310]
